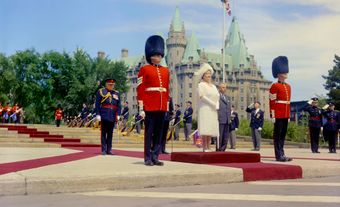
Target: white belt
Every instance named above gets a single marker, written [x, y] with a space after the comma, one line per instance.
[283, 102]
[160, 89]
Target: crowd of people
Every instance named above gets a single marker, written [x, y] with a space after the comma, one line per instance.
[11, 114]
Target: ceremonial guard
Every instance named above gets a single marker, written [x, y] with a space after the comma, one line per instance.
[233, 127]
[279, 104]
[108, 112]
[331, 126]
[153, 98]
[314, 123]
[58, 115]
[187, 119]
[256, 124]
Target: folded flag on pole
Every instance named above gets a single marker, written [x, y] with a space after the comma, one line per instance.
[227, 6]
[198, 142]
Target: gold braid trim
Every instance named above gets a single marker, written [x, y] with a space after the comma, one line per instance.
[104, 97]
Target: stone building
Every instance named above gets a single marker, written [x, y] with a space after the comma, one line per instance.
[184, 55]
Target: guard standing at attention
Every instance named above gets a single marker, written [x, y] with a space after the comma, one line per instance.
[153, 98]
[279, 104]
[331, 127]
[108, 112]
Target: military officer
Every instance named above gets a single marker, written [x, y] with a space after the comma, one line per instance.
[153, 98]
[256, 123]
[331, 126]
[279, 104]
[108, 112]
[187, 119]
[233, 127]
[314, 123]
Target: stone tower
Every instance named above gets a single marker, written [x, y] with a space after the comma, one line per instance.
[175, 44]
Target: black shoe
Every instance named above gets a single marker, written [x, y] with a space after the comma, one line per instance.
[165, 152]
[158, 163]
[288, 159]
[103, 153]
[148, 163]
[109, 153]
[281, 159]
[317, 152]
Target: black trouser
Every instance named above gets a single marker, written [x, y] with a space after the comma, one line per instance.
[280, 131]
[106, 135]
[314, 133]
[224, 135]
[331, 136]
[164, 135]
[154, 121]
[58, 123]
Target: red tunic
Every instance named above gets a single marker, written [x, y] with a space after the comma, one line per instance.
[279, 100]
[58, 114]
[153, 88]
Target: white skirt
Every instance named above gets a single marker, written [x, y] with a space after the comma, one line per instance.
[207, 121]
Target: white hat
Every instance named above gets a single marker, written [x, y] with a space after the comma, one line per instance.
[203, 69]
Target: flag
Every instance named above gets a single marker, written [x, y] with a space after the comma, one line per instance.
[227, 6]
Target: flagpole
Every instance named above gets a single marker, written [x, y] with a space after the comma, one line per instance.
[223, 41]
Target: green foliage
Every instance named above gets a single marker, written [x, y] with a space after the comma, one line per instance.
[333, 82]
[295, 132]
[39, 82]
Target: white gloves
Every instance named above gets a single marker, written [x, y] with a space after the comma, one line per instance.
[260, 128]
[218, 105]
[325, 107]
[321, 128]
[310, 102]
[89, 115]
[273, 120]
[172, 122]
[142, 114]
[251, 106]
[98, 118]
[118, 117]
[236, 129]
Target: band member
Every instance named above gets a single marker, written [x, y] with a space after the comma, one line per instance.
[58, 115]
[153, 97]
[6, 113]
[256, 124]
[125, 113]
[187, 119]
[279, 103]
[108, 112]
[233, 127]
[331, 127]
[315, 123]
[177, 120]
[167, 119]
[224, 113]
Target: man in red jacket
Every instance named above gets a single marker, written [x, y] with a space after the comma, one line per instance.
[153, 98]
[279, 103]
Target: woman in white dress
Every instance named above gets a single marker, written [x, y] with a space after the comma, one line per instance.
[208, 104]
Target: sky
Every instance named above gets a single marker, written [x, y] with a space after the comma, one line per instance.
[306, 31]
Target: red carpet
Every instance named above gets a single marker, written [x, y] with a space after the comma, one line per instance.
[266, 171]
[50, 138]
[215, 157]
[35, 163]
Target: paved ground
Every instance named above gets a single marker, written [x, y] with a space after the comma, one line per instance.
[289, 193]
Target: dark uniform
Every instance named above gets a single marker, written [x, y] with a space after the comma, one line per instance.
[176, 123]
[233, 126]
[256, 125]
[187, 119]
[108, 107]
[279, 103]
[315, 124]
[153, 97]
[331, 128]
[167, 119]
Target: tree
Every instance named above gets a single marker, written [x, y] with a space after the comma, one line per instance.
[333, 83]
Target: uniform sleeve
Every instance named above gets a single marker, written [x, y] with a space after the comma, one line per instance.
[262, 120]
[141, 86]
[97, 104]
[249, 110]
[119, 105]
[272, 100]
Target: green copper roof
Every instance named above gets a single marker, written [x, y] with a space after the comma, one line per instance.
[235, 46]
[191, 50]
[177, 22]
[132, 61]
